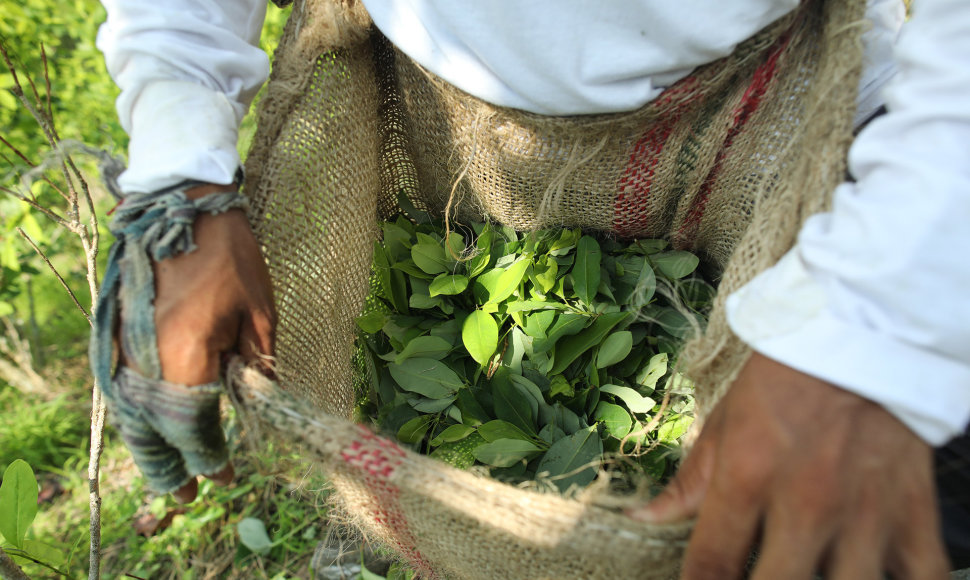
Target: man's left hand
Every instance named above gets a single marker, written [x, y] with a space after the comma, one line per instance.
[820, 478]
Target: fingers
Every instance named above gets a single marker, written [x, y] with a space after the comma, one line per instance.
[682, 497]
[224, 476]
[728, 525]
[257, 337]
[188, 492]
[917, 549]
[172, 430]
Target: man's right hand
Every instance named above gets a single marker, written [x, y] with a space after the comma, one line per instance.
[210, 302]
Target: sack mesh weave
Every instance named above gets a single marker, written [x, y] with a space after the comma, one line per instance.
[726, 163]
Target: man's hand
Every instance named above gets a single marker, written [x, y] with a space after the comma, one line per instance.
[823, 479]
[215, 300]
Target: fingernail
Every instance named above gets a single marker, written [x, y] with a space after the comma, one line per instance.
[644, 514]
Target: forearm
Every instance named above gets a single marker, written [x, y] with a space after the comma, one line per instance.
[873, 295]
[188, 71]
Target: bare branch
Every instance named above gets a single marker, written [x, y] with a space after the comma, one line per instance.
[56, 273]
[56, 218]
[94, 483]
[47, 82]
[16, 152]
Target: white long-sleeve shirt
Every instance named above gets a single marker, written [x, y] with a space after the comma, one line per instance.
[871, 297]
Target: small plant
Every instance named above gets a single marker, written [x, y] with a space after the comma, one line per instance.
[530, 353]
[18, 508]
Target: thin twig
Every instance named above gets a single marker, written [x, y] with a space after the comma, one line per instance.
[47, 82]
[16, 151]
[56, 218]
[9, 570]
[56, 273]
[94, 484]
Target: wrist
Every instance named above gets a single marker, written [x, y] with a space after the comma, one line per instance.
[199, 191]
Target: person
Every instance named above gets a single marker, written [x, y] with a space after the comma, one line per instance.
[823, 448]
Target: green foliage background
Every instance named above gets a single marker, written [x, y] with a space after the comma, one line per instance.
[50, 430]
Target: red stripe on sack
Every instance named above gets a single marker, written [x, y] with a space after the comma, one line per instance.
[750, 101]
[376, 458]
[633, 190]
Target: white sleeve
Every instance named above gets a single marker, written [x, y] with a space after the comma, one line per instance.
[188, 70]
[875, 296]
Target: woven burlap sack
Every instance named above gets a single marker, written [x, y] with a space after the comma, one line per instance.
[727, 163]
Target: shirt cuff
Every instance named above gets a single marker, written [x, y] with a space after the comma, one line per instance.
[180, 130]
[783, 315]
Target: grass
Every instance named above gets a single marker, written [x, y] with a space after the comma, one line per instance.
[195, 541]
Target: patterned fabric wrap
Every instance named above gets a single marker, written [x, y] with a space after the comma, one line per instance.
[172, 430]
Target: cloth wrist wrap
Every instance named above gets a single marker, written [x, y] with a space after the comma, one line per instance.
[172, 430]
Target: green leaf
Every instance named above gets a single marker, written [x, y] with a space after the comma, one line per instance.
[551, 433]
[413, 431]
[615, 417]
[546, 277]
[430, 257]
[461, 453]
[655, 369]
[559, 385]
[393, 282]
[586, 272]
[410, 210]
[530, 392]
[614, 349]
[252, 534]
[431, 347]
[537, 324]
[18, 502]
[671, 320]
[46, 553]
[484, 285]
[573, 460]
[632, 399]
[411, 269]
[427, 377]
[511, 403]
[569, 349]
[425, 405]
[452, 434]
[646, 247]
[472, 412]
[397, 241]
[566, 242]
[372, 322]
[423, 302]
[506, 452]
[477, 264]
[454, 245]
[479, 333]
[509, 280]
[674, 428]
[448, 285]
[499, 429]
[567, 324]
[638, 283]
[6, 309]
[366, 574]
[675, 264]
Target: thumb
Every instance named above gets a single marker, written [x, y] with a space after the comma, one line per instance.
[682, 498]
[257, 338]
